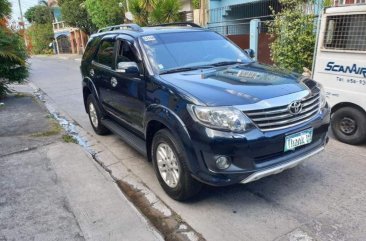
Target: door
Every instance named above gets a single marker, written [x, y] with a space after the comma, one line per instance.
[127, 91]
[102, 69]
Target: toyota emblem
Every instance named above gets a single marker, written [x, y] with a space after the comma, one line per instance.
[295, 107]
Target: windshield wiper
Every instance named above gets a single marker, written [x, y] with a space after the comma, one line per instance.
[182, 69]
[223, 63]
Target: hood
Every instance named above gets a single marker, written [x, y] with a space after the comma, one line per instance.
[236, 85]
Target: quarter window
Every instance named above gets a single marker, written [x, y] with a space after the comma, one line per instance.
[346, 32]
[105, 53]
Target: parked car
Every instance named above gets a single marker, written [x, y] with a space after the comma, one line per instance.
[340, 65]
[198, 107]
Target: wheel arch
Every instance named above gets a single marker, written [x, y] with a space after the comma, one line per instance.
[347, 104]
[158, 117]
[89, 88]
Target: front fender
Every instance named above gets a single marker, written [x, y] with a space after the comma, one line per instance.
[179, 130]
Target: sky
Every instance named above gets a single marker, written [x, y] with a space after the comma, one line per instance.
[25, 5]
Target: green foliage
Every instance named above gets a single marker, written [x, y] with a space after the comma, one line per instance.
[327, 3]
[5, 8]
[149, 12]
[13, 55]
[196, 4]
[41, 36]
[139, 11]
[39, 14]
[294, 36]
[104, 13]
[74, 13]
[165, 11]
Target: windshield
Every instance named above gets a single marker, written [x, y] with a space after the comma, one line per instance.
[173, 51]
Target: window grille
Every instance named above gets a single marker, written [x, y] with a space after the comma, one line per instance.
[345, 32]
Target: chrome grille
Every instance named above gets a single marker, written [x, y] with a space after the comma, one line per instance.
[279, 117]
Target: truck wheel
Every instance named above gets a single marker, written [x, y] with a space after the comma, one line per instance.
[170, 167]
[95, 116]
[348, 125]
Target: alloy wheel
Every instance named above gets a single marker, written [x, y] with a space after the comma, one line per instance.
[93, 115]
[168, 165]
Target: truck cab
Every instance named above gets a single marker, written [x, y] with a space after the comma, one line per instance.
[340, 65]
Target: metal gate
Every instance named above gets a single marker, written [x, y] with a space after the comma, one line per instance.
[64, 46]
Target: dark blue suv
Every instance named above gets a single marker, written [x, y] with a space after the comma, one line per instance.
[198, 107]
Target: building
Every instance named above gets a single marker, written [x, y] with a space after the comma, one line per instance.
[68, 40]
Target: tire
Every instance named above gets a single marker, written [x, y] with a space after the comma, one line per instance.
[348, 125]
[95, 119]
[186, 187]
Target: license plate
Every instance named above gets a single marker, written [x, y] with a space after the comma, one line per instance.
[298, 139]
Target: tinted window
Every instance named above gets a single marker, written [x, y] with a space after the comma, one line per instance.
[105, 53]
[188, 49]
[126, 53]
[91, 48]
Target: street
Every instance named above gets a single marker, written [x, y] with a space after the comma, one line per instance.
[322, 199]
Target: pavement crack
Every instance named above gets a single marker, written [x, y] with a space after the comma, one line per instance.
[27, 149]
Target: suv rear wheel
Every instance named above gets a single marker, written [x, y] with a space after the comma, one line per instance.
[348, 125]
[170, 167]
[95, 116]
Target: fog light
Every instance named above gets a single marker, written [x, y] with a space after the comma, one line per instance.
[223, 162]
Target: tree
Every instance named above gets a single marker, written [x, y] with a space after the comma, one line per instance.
[165, 11]
[39, 14]
[74, 13]
[13, 55]
[293, 32]
[105, 13]
[5, 9]
[148, 12]
[41, 36]
[41, 32]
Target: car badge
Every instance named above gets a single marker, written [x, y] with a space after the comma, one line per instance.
[295, 107]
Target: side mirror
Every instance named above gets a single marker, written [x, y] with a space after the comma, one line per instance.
[250, 52]
[127, 68]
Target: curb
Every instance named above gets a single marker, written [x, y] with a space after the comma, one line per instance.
[162, 217]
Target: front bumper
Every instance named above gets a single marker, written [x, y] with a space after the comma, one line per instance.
[255, 154]
[280, 168]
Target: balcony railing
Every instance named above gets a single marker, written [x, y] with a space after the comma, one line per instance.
[57, 26]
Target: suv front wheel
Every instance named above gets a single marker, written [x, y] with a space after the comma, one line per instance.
[95, 116]
[170, 167]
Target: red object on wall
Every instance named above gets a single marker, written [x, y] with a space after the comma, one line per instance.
[264, 52]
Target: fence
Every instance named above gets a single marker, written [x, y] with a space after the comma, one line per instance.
[234, 22]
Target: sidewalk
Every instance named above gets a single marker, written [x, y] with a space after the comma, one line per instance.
[52, 190]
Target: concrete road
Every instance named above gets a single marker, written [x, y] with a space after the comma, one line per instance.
[322, 199]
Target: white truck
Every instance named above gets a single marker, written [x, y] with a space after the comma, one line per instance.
[340, 65]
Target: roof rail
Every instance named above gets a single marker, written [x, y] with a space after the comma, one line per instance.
[178, 24]
[130, 26]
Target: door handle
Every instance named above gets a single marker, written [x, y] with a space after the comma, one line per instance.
[114, 82]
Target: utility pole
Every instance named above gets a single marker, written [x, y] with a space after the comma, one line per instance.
[23, 23]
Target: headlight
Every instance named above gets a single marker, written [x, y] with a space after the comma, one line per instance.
[223, 118]
[322, 97]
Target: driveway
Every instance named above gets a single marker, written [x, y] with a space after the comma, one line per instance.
[322, 199]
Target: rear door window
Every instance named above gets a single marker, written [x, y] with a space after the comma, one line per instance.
[105, 53]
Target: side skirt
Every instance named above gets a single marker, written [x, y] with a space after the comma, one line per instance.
[131, 139]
